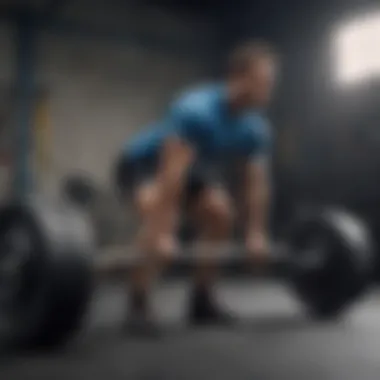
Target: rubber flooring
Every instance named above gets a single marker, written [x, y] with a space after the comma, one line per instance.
[274, 340]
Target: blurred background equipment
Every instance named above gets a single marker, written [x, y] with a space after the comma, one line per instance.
[100, 204]
[79, 190]
[7, 123]
[43, 142]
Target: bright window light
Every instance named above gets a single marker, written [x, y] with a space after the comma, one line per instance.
[357, 49]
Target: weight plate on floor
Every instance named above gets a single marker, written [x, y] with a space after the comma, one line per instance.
[332, 260]
[45, 272]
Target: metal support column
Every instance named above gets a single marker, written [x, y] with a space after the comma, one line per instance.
[25, 50]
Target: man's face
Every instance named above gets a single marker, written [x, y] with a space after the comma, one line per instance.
[257, 83]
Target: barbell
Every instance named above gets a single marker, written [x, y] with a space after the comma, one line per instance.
[48, 262]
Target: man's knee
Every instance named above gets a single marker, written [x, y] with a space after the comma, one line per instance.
[145, 199]
[152, 240]
[217, 213]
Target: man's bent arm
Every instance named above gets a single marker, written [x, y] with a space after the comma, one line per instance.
[176, 158]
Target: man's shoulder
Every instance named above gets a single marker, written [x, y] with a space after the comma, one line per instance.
[199, 101]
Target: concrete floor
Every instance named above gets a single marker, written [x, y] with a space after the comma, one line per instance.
[274, 341]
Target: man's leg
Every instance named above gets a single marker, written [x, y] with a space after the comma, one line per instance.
[136, 186]
[212, 213]
[154, 251]
[155, 239]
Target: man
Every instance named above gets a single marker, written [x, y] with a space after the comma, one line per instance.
[178, 166]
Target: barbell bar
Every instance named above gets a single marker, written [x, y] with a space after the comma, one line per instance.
[124, 258]
[45, 291]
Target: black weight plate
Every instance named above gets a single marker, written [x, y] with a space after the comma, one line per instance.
[345, 264]
[79, 189]
[55, 275]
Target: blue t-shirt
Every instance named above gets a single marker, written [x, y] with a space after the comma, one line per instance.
[202, 118]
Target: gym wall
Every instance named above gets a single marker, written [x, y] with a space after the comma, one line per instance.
[101, 93]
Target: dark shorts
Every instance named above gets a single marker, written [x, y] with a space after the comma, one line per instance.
[130, 174]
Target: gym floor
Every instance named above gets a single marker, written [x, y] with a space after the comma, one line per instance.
[274, 341]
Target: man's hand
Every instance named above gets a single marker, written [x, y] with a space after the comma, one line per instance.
[258, 248]
[257, 199]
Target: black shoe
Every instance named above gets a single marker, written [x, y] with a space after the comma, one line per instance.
[205, 311]
[140, 319]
